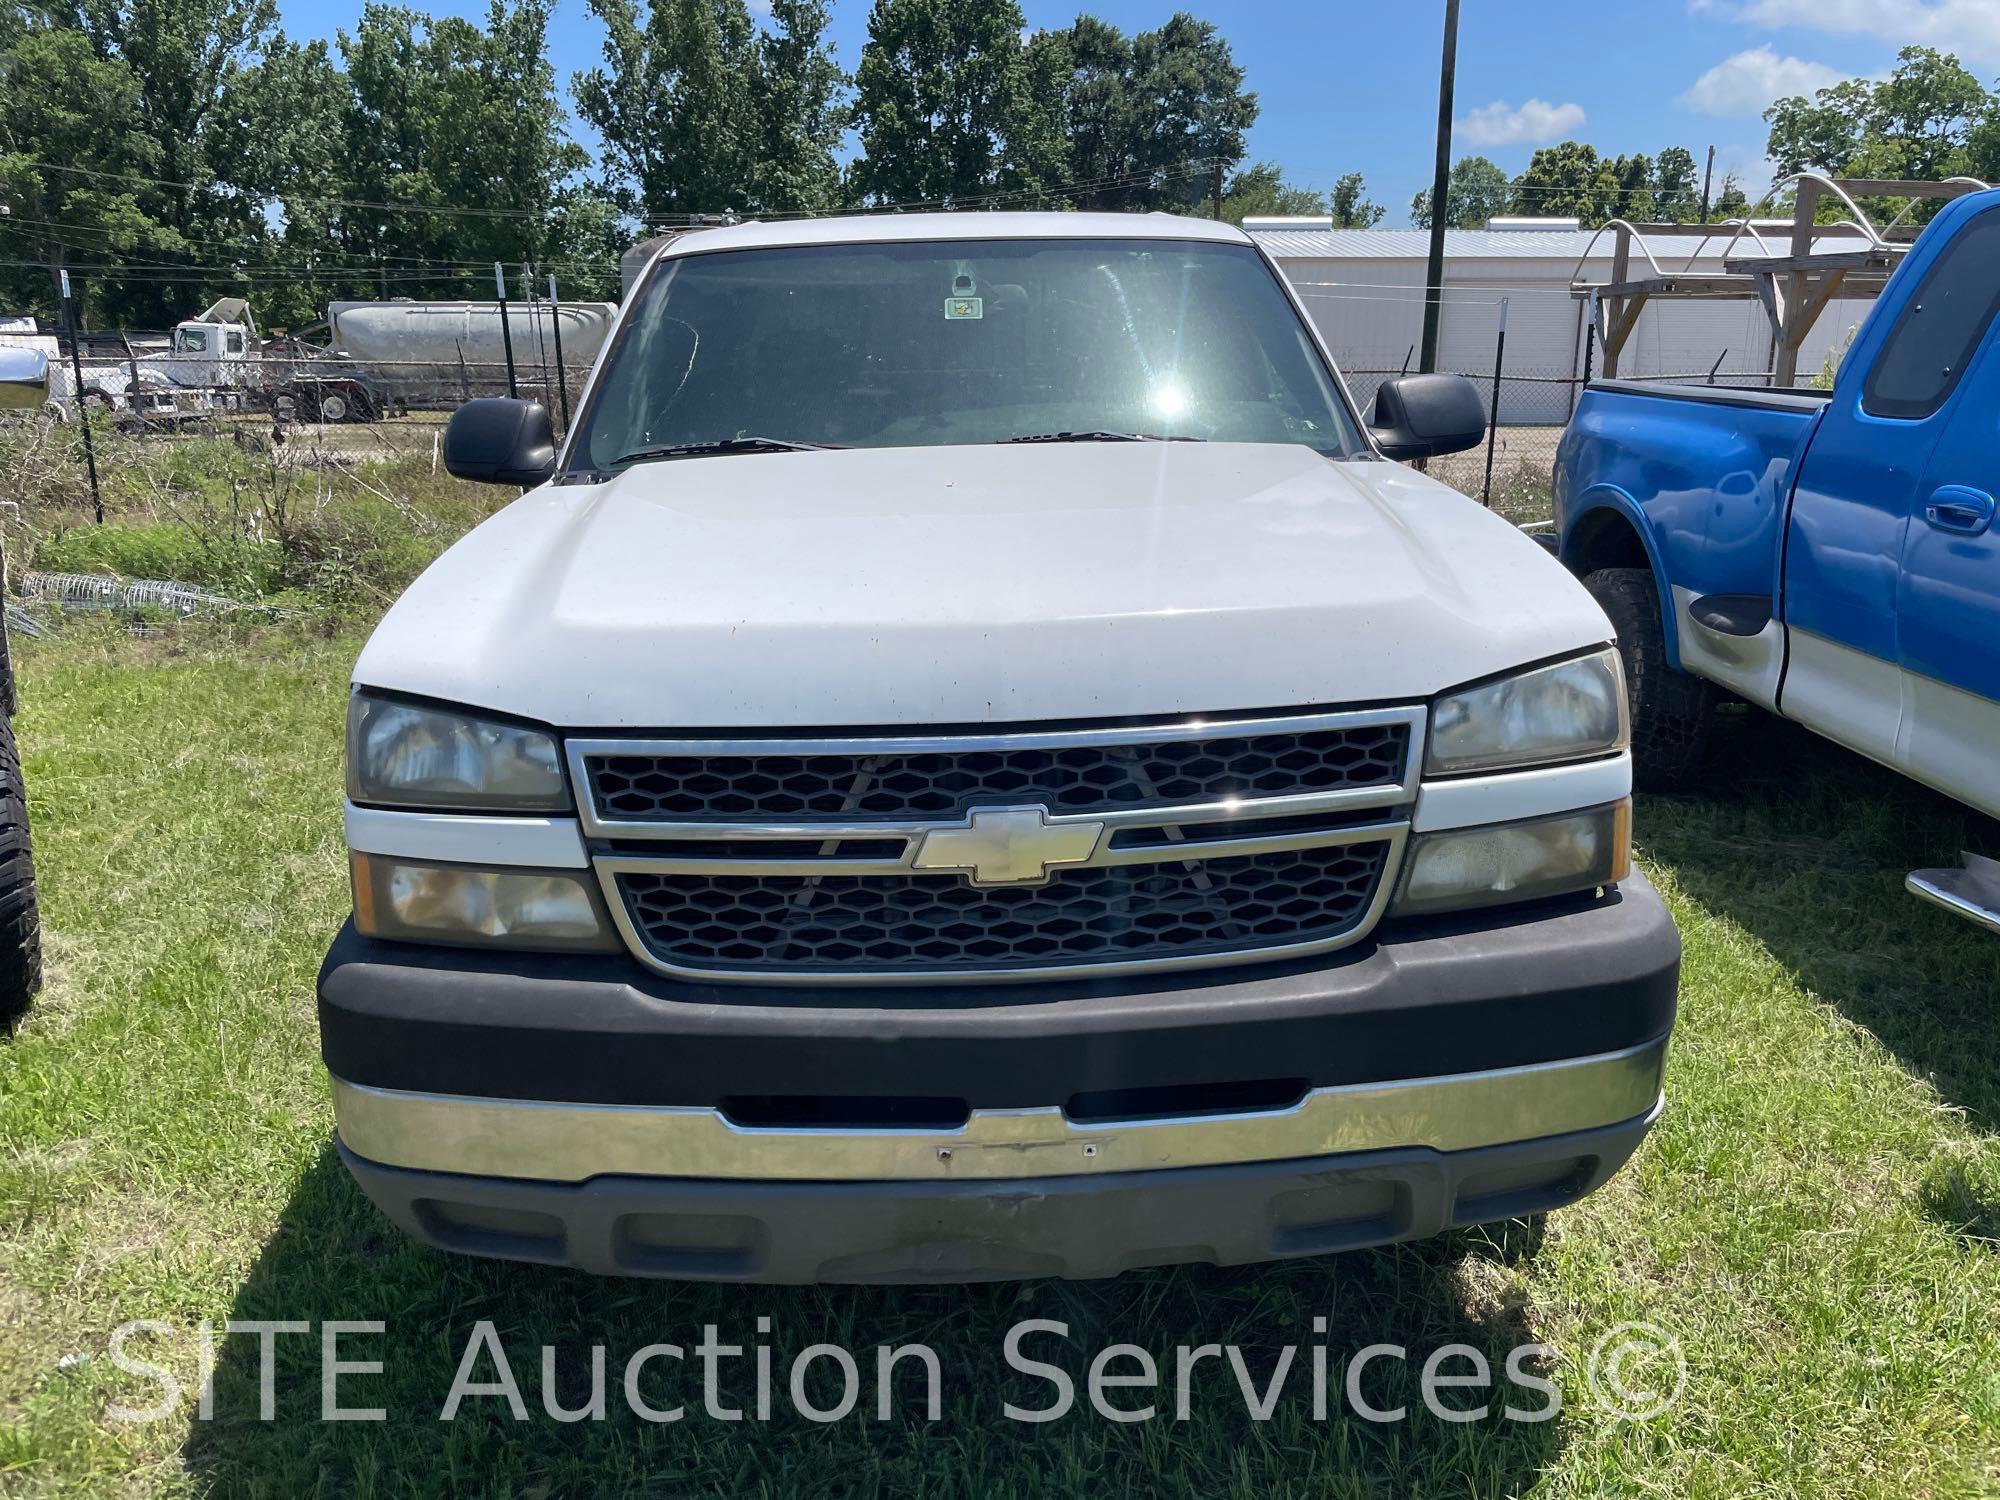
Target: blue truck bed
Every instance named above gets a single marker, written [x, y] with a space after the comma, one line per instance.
[1828, 555]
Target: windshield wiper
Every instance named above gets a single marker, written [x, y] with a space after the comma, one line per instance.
[1099, 435]
[718, 446]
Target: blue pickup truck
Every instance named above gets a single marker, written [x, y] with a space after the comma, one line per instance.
[1827, 555]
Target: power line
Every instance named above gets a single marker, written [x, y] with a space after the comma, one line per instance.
[281, 197]
[335, 260]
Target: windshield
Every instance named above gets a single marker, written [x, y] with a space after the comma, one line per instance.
[977, 341]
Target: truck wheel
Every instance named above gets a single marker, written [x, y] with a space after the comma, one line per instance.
[333, 407]
[20, 923]
[1672, 712]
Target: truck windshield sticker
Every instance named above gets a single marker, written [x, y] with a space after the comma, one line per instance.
[965, 307]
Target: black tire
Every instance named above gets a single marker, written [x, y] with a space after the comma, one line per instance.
[20, 921]
[1672, 712]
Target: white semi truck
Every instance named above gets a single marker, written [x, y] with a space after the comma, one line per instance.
[379, 355]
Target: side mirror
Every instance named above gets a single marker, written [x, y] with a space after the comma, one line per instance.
[501, 440]
[1422, 416]
[24, 377]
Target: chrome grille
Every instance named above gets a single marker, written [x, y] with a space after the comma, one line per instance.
[811, 925]
[784, 787]
[1005, 855]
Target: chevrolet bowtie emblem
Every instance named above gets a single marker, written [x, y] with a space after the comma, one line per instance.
[1007, 846]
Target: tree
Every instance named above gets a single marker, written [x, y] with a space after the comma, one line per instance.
[1923, 112]
[1350, 209]
[1572, 180]
[1731, 202]
[1260, 191]
[182, 59]
[1917, 123]
[1624, 190]
[799, 110]
[944, 107]
[1117, 122]
[1676, 187]
[1095, 63]
[288, 116]
[74, 160]
[1819, 135]
[674, 104]
[1561, 181]
[461, 122]
[1982, 147]
[1189, 110]
[185, 56]
[1476, 191]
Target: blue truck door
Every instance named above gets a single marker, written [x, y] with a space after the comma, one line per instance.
[1948, 604]
[1865, 481]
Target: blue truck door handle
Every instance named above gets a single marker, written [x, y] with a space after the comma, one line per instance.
[1959, 508]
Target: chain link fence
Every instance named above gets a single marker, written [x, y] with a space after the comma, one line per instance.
[380, 427]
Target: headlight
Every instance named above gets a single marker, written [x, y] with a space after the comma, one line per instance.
[460, 904]
[407, 755]
[1569, 711]
[1460, 868]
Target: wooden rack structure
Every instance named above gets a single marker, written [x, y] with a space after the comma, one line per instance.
[1793, 281]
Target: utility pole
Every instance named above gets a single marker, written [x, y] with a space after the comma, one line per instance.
[1216, 190]
[1440, 187]
[1707, 176]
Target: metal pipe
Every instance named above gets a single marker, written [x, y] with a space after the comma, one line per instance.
[1493, 417]
[506, 329]
[535, 317]
[562, 370]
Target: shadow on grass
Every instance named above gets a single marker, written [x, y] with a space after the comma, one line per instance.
[1805, 845]
[1964, 1196]
[335, 1257]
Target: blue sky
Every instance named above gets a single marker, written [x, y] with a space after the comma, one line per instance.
[1351, 85]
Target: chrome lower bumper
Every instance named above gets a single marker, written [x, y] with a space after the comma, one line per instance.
[535, 1141]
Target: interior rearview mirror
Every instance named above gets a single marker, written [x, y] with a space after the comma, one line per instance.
[501, 440]
[1421, 416]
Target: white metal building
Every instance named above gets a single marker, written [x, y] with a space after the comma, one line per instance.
[1365, 291]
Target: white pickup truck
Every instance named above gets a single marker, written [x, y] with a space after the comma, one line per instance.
[973, 761]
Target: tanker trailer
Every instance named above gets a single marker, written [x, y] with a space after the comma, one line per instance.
[442, 353]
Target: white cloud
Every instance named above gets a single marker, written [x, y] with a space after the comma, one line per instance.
[1501, 124]
[1970, 28]
[1749, 81]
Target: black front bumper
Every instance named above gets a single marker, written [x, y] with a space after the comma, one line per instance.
[1495, 990]
[453, 1067]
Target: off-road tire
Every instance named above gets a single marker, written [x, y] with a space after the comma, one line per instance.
[1673, 713]
[20, 922]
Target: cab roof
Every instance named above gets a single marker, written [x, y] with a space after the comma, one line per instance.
[861, 229]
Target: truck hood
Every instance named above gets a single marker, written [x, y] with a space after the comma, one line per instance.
[976, 584]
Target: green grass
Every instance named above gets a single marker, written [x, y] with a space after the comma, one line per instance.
[296, 527]
[1814, 1219]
